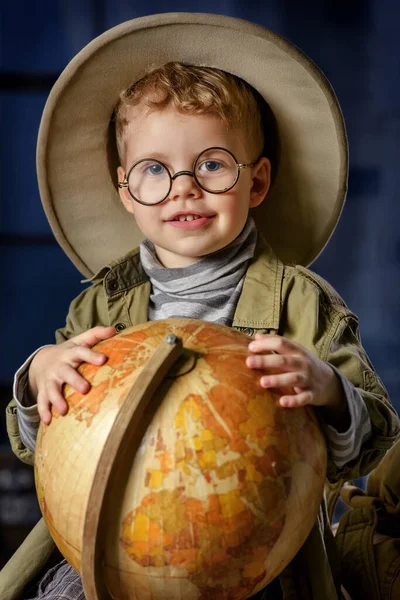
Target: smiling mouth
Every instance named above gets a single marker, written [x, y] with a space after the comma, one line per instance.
[189, 217]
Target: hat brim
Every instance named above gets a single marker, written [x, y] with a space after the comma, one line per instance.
[75, 158]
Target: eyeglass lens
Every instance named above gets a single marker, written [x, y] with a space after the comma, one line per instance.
[215, 170]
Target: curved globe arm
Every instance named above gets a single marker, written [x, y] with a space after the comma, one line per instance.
[119, 449]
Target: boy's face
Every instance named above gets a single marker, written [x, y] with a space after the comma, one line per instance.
[176, 140]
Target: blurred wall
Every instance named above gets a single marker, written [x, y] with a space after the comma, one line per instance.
[355, 43]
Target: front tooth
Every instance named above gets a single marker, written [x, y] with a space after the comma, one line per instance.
[182, 218]
[189, 217]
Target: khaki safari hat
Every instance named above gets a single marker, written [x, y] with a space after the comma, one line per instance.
[77, 156]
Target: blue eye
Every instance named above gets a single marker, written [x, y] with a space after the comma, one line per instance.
[211, 166]
[155, 169]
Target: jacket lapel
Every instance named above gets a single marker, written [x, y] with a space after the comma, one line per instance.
[259, 302]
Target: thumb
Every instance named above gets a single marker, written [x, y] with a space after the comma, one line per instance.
[90, 337]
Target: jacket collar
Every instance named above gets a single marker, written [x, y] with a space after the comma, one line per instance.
[259, 303]
[122, 274]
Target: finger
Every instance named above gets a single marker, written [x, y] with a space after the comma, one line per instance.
[55, 397]
[44, 408]
[78, 354]
[71, 376]
[292, 379]
[92, 336]
[283, 362]
[297, 400]
[274, 343]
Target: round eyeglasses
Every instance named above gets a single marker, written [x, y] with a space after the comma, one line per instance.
[215, 170]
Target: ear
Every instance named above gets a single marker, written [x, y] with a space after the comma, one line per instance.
[261, 181]
[124, 193]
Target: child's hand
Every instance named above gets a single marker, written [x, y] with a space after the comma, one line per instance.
[55, 365]
[313, 381]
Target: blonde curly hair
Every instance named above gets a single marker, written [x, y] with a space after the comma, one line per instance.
[194, 90]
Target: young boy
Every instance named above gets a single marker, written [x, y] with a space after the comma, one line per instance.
[192, 163]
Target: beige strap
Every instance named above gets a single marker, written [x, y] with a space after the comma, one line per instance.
[26, 562]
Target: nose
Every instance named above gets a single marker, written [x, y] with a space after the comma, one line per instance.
[184, 186]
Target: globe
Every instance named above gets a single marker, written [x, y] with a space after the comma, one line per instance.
[222, 488]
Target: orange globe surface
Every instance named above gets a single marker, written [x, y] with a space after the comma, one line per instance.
[225, 485]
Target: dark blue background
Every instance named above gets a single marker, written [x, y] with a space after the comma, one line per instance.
[354, 41]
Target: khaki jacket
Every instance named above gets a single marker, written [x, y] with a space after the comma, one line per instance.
[276, 299]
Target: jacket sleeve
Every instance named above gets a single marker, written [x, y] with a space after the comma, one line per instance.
[314, 315]
[86, 310]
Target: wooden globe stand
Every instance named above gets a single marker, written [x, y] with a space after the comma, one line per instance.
[122, 443]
